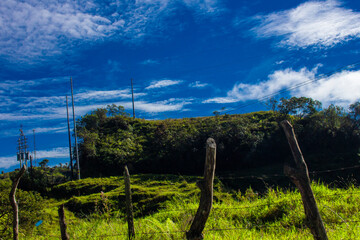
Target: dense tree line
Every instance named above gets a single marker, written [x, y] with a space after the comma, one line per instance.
[110, 139]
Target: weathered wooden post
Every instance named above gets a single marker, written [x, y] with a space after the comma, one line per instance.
[63, 226]
[206, 198]
[14, 203]
[129, 206]
[300, 177]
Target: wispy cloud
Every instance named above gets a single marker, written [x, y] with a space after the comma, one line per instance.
[60, 152]
[150, 62]
[163, 83]
[209, 6]
[6, 162]
[95, 95]
[170, 105]
[198, 84]
[11, 86]
[278, 80]
[34, 30]
[340, 88]
[314, 23]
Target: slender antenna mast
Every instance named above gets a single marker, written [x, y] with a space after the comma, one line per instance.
[76, 145]
[68, 123]
[132, 93]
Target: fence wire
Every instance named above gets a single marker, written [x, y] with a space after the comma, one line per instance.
[250, 226]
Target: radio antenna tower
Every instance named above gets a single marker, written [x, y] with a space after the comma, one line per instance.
[23, 153]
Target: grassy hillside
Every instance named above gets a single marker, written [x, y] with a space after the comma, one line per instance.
[328, 138]
[165, 205]
[252, 198]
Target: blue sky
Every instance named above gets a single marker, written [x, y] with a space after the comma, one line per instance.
[188, 58]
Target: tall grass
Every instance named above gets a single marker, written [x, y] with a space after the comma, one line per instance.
[277, 214]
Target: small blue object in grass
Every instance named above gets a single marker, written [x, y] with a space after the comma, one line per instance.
[38, 223]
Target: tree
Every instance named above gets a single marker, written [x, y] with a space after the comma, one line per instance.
[354, 114]
[44, 162]
[114, 110]
[300, 107]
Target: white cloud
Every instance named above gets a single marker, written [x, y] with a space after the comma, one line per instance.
[59, 152]
[150, 62]
[32, 30]
[24, 117]
[6, 162]
[203, 5]
[314, 23]
[198, 84]
[341, 88]
[163, 83]
[278, 80]
[10, 86]
[82, 98]
[161, 106]
[52, 108]
[60, 129]
[105, 95]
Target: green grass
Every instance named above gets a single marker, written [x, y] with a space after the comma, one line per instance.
[165, 205]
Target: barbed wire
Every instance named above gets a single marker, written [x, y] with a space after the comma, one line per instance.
[268, 204]
[262, 176]
[250, 226]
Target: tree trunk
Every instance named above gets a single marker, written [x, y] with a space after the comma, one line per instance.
[14, 203]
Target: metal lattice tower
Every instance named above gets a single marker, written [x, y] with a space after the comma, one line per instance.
[22, 149]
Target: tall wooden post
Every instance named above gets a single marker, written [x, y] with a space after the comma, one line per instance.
[206, 198]
[69, 135]
[132, 94]
[14, 203]
[76, 143]
[129, 206]
[63, 226]
[300, 177]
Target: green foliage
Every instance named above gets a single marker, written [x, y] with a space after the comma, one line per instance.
[30, 210]
[43, 163]
[108, 142]
[43, 179]
[277, 214]
[300, 107]
[107, 195]
[169, 146]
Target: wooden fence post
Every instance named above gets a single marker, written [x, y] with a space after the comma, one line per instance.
[300, 177]
[64, 235]
[206, 198]
[14, 203]
[129, 206]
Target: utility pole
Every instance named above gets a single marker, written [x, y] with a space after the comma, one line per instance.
[23, 153]
[34, 148]
[76, 144]
[132, 93]
[69, 134]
